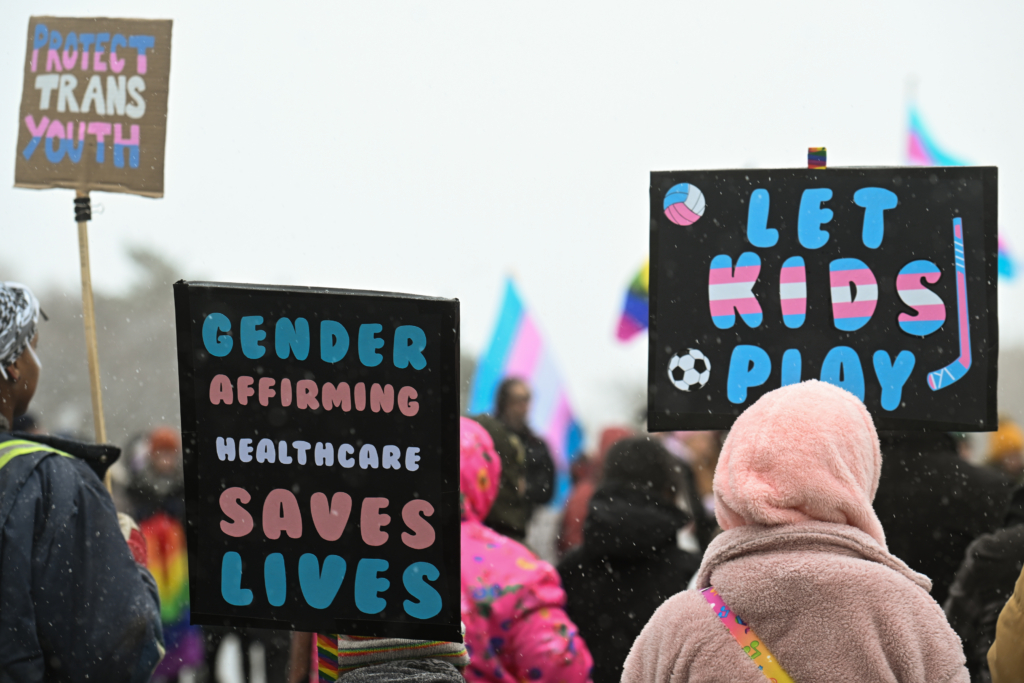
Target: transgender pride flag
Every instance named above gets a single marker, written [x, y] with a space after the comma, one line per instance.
[922, 150]
[921, 147]
[517, 350]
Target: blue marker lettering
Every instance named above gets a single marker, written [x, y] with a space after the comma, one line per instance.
[812, 216]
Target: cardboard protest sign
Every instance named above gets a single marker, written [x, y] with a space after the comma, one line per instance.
[94, 105]
[879, 280]
[321, 441]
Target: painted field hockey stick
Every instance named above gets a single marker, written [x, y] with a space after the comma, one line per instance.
[958, 368]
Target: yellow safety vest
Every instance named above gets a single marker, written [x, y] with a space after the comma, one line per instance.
[15, 447]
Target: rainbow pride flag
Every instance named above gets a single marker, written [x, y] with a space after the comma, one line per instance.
[518, 350]
[635, 309]
[168, 563]
[922, 150]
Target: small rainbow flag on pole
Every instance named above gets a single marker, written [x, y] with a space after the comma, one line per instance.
[635, 311]
[518, 350]
[922, 150]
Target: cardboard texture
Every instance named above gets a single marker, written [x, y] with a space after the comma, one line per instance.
[879, 280]
[321, 445]
[94, 105]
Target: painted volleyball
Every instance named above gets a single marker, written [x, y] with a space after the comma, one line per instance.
[684, 204]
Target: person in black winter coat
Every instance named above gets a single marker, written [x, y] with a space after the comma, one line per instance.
[932, 504]
[511, 510]
[629, 562]
[76, 601]
[983, 585]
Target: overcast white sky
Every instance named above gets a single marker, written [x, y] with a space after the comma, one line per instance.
[433, 147]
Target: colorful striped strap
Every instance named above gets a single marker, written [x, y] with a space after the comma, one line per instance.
[15, 447]
[748, 640]
[357, 651]
[326, 657]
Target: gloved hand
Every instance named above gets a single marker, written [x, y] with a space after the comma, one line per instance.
[133, 536]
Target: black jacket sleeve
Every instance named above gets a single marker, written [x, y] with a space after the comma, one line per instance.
[74, 605]
[540, 472]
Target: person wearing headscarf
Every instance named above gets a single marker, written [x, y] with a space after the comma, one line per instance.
[76, 600]
[801, 563]
[19, 323]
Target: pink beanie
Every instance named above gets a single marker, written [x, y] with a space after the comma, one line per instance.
[805, 452]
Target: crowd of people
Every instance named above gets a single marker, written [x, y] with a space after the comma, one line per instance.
[801, 545]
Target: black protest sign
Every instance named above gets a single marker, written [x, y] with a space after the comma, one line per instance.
[879, 280]
[321, 442]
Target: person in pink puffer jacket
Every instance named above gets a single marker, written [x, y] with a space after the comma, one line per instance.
[512, 602]
[802, 559]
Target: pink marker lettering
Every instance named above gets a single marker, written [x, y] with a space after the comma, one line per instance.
[36, 131]
[371, 519]
[56, 130]
[230, 504]
[119, 138]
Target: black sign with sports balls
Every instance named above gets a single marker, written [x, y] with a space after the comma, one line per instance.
[321, 444]
[879, 280]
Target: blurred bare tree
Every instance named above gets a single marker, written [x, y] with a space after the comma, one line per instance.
[137, 356]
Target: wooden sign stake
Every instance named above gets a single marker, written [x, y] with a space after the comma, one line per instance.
[89, 318]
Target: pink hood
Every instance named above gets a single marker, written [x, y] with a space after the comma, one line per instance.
[480, 470]
[512, 601]
[805, 452]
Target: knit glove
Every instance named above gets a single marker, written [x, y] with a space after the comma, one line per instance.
[133, 536]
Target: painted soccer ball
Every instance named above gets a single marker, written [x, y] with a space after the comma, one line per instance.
[690, 370]
[684, 204]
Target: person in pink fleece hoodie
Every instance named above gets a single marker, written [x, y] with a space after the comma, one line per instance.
[513, 605]
[803, 560]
